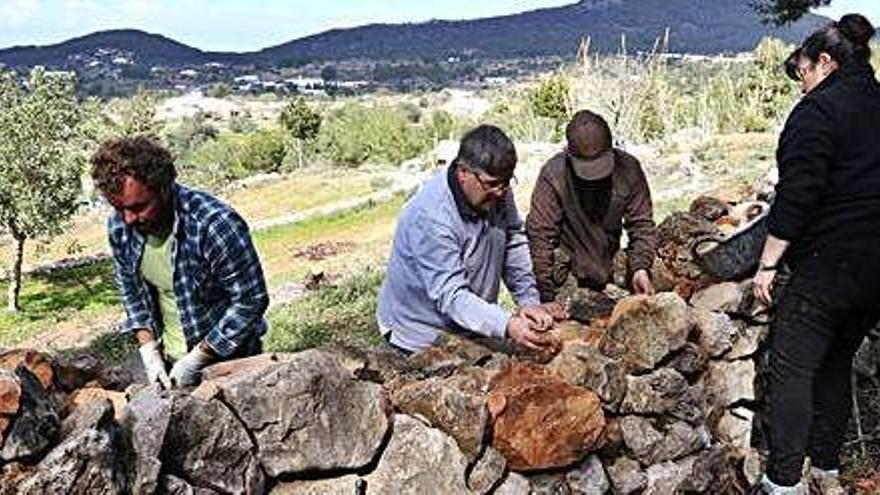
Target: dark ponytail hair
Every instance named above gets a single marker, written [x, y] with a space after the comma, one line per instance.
[845, 41]
[859, 31]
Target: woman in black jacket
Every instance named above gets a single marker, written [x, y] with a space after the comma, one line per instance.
[825, 226]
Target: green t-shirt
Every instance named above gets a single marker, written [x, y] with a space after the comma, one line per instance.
[157, 268]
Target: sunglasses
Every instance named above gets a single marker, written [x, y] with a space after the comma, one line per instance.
[494, 185]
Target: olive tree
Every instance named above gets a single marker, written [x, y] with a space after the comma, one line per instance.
[42, 136]
[302, 123]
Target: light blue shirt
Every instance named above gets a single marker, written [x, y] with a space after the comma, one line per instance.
[446, 268]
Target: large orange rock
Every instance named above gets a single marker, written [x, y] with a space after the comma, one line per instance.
[37, 363]
[540, 421]
[4, 423]
[10, 398]
[10, 394]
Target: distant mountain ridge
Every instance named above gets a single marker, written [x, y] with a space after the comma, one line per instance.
[153, 49]
[696, 26]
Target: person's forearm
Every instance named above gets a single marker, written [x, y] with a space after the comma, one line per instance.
[543, 230]
[642, 234]
[519, 276]
[542, 266]
[472, 313]
[239, 319]
[774, 249]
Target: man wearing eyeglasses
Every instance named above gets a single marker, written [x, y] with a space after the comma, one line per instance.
[583, 199]
[457, 238]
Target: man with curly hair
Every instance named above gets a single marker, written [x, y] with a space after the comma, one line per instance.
[187, 271]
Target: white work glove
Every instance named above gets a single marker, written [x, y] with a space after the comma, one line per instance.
[187, 371]
[154, 364]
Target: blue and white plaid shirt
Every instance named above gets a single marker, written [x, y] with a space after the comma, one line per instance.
[218, 281]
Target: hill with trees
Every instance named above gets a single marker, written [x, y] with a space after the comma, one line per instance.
[714, 26]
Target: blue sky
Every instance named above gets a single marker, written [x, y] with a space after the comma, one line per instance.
[869, 8]
[240, 25]
[235, 25]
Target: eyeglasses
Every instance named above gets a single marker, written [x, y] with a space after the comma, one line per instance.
[494, 185]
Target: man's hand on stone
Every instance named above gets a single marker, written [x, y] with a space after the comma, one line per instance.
[557, 310]
[521, 330]
[538, 315]
[187, 371]
[641, 283]
[154, 364]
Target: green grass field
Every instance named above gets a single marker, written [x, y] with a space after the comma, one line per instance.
[71, 300]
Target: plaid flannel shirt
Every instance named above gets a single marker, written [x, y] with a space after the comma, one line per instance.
[218, 280]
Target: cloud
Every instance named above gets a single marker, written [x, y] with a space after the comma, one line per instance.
[17, 12]
[142, 6]
[78, 5]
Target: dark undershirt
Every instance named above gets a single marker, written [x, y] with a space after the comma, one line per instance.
[594, 196]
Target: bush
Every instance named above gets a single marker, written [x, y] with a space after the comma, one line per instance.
[242, 123]
[550, 98]
[767, 92]
[218, 90]
[649, 97]
[356, 134]
[411, 111]
[516, 116]
[235, 156]
[191, 133]
[300, 120]
[135, 115]
[442, 124]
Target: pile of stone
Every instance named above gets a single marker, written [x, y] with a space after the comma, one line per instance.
[655, 397]
[675, 268]
[645, 394]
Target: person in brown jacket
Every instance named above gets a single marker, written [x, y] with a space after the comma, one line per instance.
[583, 199]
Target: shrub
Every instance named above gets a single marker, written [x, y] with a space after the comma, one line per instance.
[442, 124]
[356, 134]
[551, 98]
[135, 115]
[191, 133]
[650, 97]
[242, 123]
[218, 90]
[235, 156]
[412, 112]
[300, 120]
[516, 116]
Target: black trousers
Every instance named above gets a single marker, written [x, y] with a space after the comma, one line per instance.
[831, 303]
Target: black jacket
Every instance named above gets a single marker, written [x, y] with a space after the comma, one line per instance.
[828, 193]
